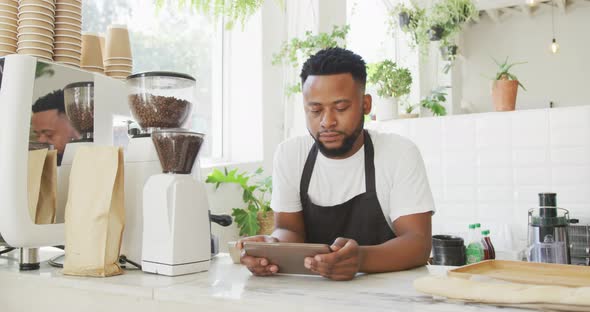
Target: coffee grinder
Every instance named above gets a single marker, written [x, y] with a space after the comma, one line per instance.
[157, 100]
[176, 236]
[548, 232]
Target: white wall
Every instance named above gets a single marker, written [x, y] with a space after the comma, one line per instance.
[489, 168]
[561, 78]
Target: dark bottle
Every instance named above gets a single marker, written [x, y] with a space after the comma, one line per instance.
[489, 251]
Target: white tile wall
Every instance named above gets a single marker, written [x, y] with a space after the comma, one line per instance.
[490, 167]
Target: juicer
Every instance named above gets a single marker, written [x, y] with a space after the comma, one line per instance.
[548, 240]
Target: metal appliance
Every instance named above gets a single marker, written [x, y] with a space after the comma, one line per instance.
[548, 232]
[579, 238]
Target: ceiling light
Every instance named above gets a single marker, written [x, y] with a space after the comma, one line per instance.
[554, 45]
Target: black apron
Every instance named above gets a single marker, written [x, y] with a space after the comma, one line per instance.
[360, 218]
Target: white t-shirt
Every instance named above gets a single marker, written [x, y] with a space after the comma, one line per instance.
[400, 178]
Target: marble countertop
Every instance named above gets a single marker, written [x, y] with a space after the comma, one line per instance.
[226, 287]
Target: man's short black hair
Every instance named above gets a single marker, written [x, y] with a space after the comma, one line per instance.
[332, 61]
[53, 100]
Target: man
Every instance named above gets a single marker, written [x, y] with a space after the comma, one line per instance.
[50, 123]
[364, 193]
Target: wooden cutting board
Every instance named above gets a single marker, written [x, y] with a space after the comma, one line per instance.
[501, 293]
[527, 272]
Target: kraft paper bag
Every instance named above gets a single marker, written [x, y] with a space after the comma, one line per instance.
[95, 212]
[42, 186]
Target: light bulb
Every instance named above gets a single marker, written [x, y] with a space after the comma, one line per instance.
[531, 2]
[554, 46]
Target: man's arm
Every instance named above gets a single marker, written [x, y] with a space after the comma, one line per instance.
[289, 227]
[409, 249]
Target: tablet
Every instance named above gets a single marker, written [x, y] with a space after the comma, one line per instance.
[288, 257]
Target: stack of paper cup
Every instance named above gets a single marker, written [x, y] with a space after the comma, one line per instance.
[118, 62]
[35, 28]
[91, 53]
[8, 26]
[68, 32]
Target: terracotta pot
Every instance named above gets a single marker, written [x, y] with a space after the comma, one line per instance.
[504, 95]
[266, 224]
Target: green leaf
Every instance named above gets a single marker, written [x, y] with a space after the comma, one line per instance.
[247, 221]
[216, 176]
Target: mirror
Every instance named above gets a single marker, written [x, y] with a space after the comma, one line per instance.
[34, 126]
[57, 125]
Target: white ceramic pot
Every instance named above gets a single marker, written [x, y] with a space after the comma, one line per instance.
[385, 108]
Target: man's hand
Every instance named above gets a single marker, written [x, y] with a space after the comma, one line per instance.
[341, 264]
[258, 266]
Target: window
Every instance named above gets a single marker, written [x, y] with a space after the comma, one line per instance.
[172, 39]
[369, 36]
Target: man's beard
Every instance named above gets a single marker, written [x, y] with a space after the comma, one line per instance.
[347, 143]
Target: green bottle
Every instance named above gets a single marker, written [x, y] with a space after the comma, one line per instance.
[474, 251]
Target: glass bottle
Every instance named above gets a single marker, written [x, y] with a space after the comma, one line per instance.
[475, 251]
[491, 252]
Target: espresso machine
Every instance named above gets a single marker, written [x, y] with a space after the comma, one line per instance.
[23, 80]
[548, 240]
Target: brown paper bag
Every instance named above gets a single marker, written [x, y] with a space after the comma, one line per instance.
[42, 186]
[95, 212]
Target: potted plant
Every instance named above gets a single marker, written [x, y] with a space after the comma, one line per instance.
[256, 217]
[296, 50]
[434, 101]
[505, 86]
[391, 82]
[408, 110]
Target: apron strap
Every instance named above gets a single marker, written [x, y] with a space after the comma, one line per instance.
[307, 171]
[369, 163]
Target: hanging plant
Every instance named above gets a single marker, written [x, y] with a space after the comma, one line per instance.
[232, 11]
[295, 51]
[436, 32]
[413, 21]
[449, 54]
[449, 16]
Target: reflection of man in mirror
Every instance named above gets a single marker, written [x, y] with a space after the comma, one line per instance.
[51, 124]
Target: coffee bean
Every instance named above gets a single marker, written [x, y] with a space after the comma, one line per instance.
[177, 152]
[81, 116]
[153, 111]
